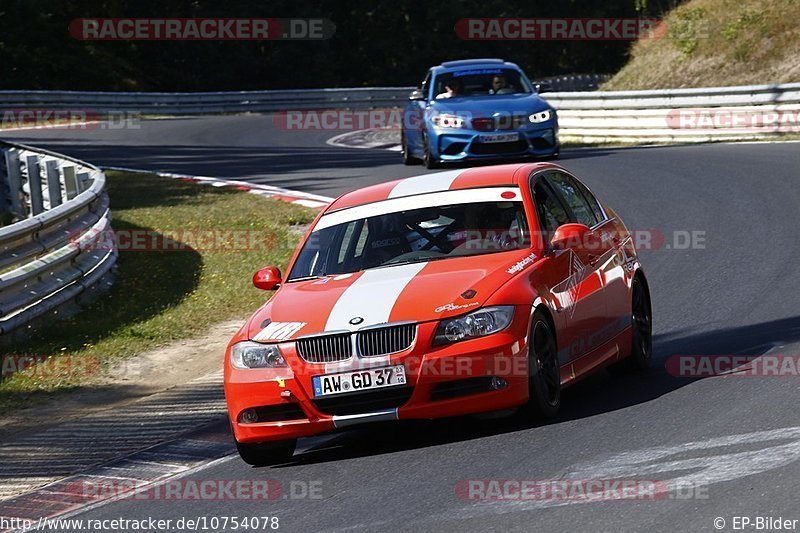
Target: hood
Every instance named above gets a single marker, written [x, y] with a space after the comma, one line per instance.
[418, 292]
[489, 105]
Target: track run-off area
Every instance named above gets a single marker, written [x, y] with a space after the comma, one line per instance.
[723, 276]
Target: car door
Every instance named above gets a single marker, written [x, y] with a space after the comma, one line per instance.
[611, 263]
[578, 307]
[585, 289]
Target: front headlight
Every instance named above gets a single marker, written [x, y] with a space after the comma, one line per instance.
[541, 116]
[476, 324]
[448, 121]
[248, 354]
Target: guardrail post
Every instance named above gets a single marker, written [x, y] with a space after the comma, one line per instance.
[83, 181]
[35, 184]
[71, 186]
[5, 197]
[53, 182]
[14, 176]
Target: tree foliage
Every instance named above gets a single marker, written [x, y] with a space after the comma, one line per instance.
[379, 42]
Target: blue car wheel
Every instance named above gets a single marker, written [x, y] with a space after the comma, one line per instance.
[427, 158]
[408, 159]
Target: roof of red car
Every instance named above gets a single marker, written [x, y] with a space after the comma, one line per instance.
[462, 178]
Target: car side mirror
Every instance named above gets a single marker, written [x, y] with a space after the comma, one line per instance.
[572, 235]
[543, 87]
[416, 94]
[267, 279]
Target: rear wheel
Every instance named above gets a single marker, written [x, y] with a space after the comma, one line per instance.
[642, 315]
[266, 453]
[641, 357]
[544, 381]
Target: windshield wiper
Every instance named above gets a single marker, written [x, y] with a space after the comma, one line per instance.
[417, 260]
[305, 278]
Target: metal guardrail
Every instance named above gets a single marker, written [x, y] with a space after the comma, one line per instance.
[234, 102]
[591, 116]
[705, 114]
[577, 82]
[49, 257]
[206, 102]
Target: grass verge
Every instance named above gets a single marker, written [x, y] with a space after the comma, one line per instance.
[162, 295]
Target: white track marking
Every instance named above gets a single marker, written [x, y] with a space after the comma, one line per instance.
[709, 462]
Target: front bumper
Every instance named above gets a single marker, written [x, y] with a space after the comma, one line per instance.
[460, 144]
[451, 380]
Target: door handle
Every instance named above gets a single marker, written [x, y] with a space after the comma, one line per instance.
[593, 259]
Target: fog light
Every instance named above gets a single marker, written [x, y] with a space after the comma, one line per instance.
[498, 383]
[248, 416]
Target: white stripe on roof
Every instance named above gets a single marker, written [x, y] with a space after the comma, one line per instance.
[438, 181]
[394, 205]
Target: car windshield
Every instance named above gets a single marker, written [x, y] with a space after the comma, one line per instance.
[411, 236]
[480, 82]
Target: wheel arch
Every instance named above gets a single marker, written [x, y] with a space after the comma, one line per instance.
[548, 314]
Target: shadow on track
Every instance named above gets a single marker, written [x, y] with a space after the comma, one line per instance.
[595, 395]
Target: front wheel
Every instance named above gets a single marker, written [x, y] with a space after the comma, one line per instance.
[266, 453]
[427, 157]
[408, 159]
[544, 381]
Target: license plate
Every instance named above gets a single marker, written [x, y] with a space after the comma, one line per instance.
[499, 137]
[360, 380]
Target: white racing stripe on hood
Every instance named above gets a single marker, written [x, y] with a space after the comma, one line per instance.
[438, 181]
[371, 296]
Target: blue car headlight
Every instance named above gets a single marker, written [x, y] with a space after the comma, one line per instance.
[541, 116]
[446, 120]
[479, 323]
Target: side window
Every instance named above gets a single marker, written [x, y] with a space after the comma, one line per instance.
[425, 87]
[567, 188]
[549, 208]
[594, 205]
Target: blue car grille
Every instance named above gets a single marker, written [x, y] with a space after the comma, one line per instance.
[504, 122]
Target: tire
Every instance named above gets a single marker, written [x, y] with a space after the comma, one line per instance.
[428, 160]
[266, 453]
[642, 316]
[641, 357]
[408, 159]
[544, 381]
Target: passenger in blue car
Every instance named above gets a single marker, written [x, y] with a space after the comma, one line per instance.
[452, 88]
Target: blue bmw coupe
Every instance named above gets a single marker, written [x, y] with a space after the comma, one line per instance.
[477, 109]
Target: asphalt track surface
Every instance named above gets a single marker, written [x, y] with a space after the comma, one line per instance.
[734, 294]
